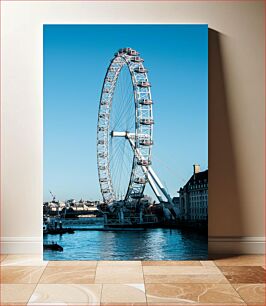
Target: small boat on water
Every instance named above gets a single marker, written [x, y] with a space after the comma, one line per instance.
[53, 246]
[60, 231]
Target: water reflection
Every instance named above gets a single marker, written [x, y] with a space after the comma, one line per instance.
[150, 244]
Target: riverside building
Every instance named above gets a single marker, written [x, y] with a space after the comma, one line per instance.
[193, 197]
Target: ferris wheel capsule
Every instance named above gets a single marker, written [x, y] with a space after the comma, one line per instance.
[147, 121]
[101, 128]
[136, 59]
[145, 102]
[102, 155]
[143, 84]
[104, 116]
[145, 142]
[144, 162]
[140, 180]
[112, 69]
[101, 142]
[140, 69]
[132, 52]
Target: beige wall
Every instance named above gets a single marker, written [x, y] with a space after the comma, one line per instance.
[236, 107]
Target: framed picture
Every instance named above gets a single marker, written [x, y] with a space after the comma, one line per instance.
[125, 142]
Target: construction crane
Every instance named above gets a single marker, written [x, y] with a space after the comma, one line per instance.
[53, 196]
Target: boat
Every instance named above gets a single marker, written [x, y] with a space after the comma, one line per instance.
[53, 246]
[60, 231]
[50, 226]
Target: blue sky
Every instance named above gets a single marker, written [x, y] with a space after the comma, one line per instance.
[75, 61]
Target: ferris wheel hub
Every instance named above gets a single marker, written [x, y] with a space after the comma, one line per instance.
[118, 134]
[125, 134]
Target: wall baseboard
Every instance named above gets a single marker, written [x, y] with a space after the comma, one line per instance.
[21, 245]
[236, 245]
[217, 245]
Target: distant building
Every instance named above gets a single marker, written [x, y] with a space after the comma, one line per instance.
[193, 197]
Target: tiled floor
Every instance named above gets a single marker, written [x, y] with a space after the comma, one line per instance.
[233, 280]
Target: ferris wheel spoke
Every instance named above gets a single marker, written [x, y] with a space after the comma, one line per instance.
[127, 84]
[121, 165]
[124, 101]
[115, 169]
[118, 174]
[129, 157]
[122, 90]
[131, 123]
[125, 112]
[115, 158]
[113, 145]
[115, 152]
[127, 90]
[121, 113]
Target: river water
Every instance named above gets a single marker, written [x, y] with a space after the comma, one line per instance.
[149, 244]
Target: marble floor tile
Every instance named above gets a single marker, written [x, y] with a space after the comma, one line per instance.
[180, 270]
[183, 274]
[16, 293]
[66, 294]
[126, 304]
[244, 274]
[171, 263]
[209, 263]
[241, 260]
[254, 304]
[186, 279]
[73, 263]
[192, 293]
[14, 304]
[123, 293]
[119, 263]
[195, 304]
[21, 274]
[24, 260]
[251, 293]
[119, 274]
[68, 275]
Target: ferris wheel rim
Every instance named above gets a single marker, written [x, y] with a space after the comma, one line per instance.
[141, 141]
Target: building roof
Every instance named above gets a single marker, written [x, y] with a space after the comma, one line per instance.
[197, 178]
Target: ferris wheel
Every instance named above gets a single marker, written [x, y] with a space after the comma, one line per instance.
[125, 125]
[125, 131]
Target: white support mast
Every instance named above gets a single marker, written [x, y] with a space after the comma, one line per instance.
[152, 177]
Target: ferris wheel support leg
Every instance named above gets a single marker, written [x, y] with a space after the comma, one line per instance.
[159, 183]
[152, 178]
[163, 190]
[152, 184]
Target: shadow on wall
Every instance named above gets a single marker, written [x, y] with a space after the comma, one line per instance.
[225, 215]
